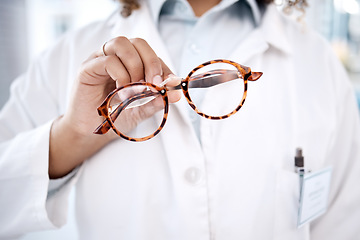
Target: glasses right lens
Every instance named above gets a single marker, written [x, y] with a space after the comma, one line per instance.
[216, 89]
[137, 111]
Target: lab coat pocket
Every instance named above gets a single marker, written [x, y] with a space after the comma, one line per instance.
[286, 208]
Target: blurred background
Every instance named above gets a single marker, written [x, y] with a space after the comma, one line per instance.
[27, 27]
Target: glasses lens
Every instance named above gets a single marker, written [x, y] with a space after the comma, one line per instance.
[137, 110]
[216, 89]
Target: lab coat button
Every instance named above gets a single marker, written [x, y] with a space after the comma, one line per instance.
[193, 175]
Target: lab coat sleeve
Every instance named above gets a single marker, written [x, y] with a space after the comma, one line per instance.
[25, 123]
[342, 220]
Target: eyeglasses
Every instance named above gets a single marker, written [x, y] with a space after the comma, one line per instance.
[215, 90]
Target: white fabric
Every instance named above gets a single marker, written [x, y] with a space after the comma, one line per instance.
[239, 184]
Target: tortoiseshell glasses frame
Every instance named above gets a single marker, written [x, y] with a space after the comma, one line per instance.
[207, 79]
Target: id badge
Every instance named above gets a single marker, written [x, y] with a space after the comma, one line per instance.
[314, 193]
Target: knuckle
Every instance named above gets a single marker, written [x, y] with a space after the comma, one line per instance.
[127, 54]
[119, 40]
[83, 68]
[135, 69]
[136, 41]
[108, 60]
[88, 64]
[155, 62]
[153, 65]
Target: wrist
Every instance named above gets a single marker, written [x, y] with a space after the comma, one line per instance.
[70, 147]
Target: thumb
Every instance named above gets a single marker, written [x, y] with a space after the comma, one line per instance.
[174, 95]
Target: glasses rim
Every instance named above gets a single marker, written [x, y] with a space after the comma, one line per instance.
[103, 110]
[243, 72]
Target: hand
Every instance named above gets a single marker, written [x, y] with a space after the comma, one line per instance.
[125, 61]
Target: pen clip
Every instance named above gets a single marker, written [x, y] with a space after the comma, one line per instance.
[299, 160]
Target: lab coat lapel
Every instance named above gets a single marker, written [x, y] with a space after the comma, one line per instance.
[270, 33]
[254, 44]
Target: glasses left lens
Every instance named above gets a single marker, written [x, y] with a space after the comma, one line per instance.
[137, 111]
[216, 89]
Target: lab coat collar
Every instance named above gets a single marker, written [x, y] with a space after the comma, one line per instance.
[255, 10]
[271, 31]
[155, 8]
[270, 34]
[274, 29]
[156, 5]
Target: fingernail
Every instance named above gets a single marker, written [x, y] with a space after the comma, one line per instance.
[171, 75]
[157, 79]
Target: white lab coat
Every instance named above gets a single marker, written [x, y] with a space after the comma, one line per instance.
[239, 184]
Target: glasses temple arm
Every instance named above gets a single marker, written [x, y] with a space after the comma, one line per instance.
[210, 79]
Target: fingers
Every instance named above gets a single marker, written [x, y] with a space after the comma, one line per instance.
[174, 95]
[152, 65]
[138, 58]
[129, 60]
[98, 71]
[128, 55]
[166, 71]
